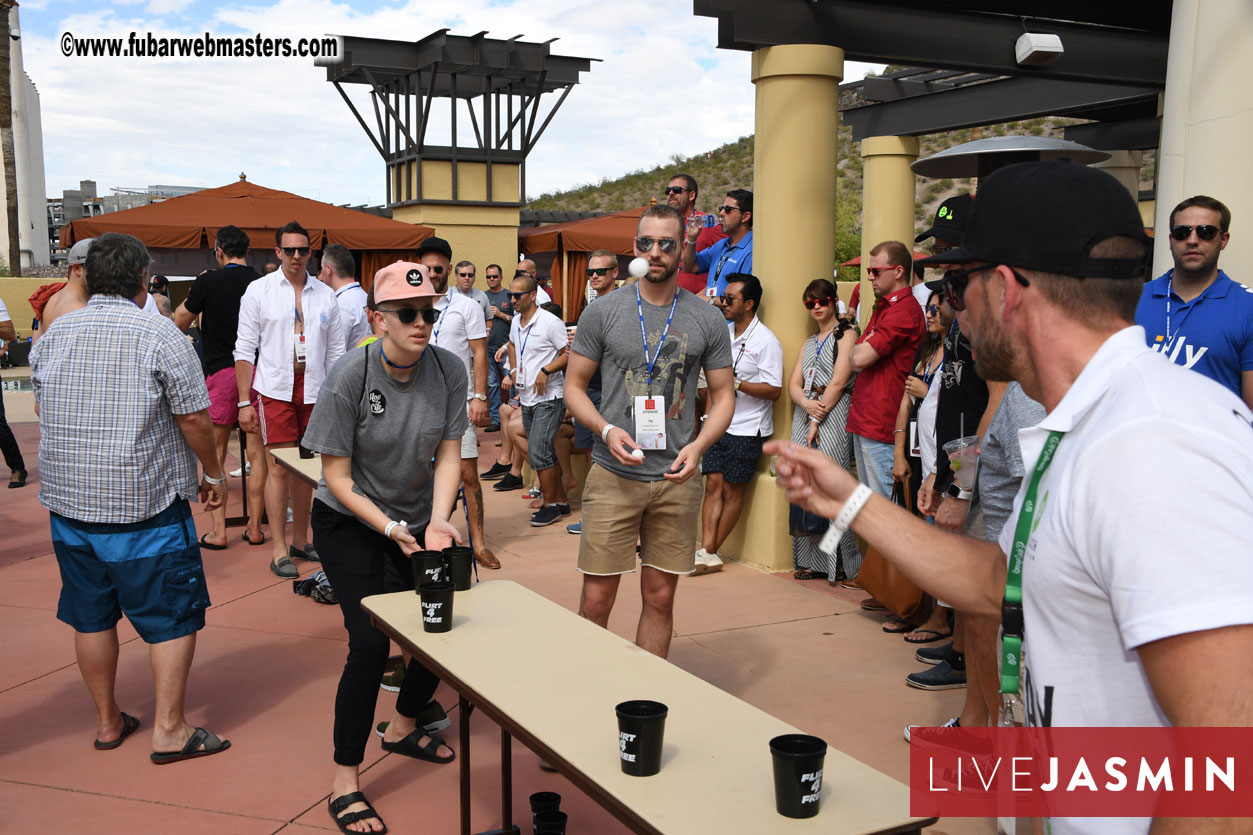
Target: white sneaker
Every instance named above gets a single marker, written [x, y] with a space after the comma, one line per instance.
[706, 563]
[952, 723]
[242, 471]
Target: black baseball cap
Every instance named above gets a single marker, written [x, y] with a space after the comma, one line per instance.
[435, 245]
[1048, 216]
[950, 220]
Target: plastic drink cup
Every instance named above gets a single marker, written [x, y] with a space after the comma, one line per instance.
[641, 731]
[550, 823]
[798, 762]
[458, 560]
[436, 606]
[543, 802]
[963, 453]
[428, 567]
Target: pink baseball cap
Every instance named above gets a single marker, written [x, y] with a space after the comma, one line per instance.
[402, 280]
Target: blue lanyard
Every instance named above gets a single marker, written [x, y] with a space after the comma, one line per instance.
[300, 320]
[440, 322]
[639, 304]
[525, 339]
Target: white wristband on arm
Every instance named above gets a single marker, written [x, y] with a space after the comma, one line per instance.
[831, 539]
[604, 433]
[241, 404]
[387, 532]
[214, 481]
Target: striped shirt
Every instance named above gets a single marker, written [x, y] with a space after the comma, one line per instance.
[109, 380]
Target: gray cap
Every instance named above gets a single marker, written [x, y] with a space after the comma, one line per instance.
[78, 252]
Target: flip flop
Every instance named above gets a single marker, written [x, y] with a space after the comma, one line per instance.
[342, 802]
[260, 541]
[808, 574]
[129, 725]
[935, 636]
[213, 744]
[409, 747]
[209, 546]
[898, 626]
[872, 605]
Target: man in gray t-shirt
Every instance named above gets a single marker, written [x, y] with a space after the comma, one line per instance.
[650, 340]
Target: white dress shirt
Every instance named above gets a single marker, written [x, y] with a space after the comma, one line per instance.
[539, 343]
[351, 299]
[757, 357]
[460, 320]
[267, 328]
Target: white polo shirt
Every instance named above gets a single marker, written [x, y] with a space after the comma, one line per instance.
[1144, 532]
[539, 343]
[267, 328]
[756, 357]
[351, 299]
[460, 320]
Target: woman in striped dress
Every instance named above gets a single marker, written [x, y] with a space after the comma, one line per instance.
[818, 389]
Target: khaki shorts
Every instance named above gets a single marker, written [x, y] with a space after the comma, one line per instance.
[616, 510]
[469, 439]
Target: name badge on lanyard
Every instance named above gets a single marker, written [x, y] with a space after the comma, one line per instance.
[300, 347]
[650, 421]
[809, 381]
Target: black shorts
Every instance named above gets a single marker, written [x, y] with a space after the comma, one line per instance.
[734, 456]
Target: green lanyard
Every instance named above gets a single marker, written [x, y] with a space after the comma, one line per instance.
[1011, 607]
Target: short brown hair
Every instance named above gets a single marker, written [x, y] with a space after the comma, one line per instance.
[1096, 302]
[1203, 202]
[663, 211]
[603, 253]
[897, 253]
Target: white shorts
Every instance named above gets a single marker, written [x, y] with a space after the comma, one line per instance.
[470, 440]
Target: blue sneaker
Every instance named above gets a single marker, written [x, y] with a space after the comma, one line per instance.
[576, 528]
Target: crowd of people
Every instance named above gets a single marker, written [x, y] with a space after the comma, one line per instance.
[669, 382]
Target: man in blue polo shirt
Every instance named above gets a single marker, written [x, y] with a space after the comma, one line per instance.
[733, 254]
[1194, 314]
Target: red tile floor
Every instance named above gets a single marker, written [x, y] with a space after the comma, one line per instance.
[268, 661]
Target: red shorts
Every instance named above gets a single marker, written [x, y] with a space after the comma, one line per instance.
[283, 422]
[223, 397]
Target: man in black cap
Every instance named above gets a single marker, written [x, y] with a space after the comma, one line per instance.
[1050, 274]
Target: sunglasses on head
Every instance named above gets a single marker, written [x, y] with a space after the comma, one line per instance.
[407, 315]
[675, 189]
[668, 245]
[1205, 232]
[810, 304]
[516, 296]
[599, 271]
[294, 250]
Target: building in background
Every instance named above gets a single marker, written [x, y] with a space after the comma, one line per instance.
[24, 232]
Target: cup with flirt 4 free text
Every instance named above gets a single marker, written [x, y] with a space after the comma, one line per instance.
[641, 731]
[798, 760]
[436, 606]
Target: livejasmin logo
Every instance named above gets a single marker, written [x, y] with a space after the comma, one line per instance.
[815, 790]
[623, 739]
[1081, 772]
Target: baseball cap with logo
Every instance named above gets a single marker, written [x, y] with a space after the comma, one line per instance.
[78, 252]
[1047, 216]
[435, 245]
[950, 220]
[402, 280]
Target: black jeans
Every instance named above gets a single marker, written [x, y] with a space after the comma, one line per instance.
[353, 556]
[8, 443]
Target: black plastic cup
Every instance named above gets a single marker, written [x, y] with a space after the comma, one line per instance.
[428, 567]
[641, 731]
[544, 802]
[436, 606]
[458, 561]
[550, 823]
[798, 762]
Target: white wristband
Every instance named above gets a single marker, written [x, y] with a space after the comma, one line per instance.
[387, 532]
[854, 504]
[241, 404]
[208, 479]
[604, 433]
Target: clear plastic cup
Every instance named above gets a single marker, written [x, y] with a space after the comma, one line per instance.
[963, 453]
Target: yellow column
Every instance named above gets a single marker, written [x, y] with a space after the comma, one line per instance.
[482, 234]
[1124, 166]
[1206, 124]
[794, 160]
[887, 203]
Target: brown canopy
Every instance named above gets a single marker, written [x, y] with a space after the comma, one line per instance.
[573, 241]
[188, 222]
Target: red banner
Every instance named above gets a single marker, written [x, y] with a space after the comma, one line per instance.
[1081, 772]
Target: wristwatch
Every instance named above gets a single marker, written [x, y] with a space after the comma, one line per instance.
[956, 492]
[478, 396]
[736, 385]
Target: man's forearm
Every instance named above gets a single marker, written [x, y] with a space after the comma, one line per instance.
[198, 431]
[721, 410]
[7, 331]
[243, 379]
[478, 348]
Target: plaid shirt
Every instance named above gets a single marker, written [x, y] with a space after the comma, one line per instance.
[109, 380]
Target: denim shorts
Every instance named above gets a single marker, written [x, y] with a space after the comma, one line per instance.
[150, 571]
[734, 456]
[541, 422]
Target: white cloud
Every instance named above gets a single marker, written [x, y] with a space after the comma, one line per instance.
[662, 88]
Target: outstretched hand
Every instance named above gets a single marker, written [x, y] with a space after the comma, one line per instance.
[811, 479]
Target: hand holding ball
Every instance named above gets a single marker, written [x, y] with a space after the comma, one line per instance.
[637, 453]
[638, 268]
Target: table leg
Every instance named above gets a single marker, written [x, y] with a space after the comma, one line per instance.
[506, 780]
[236, 521]
[464, 756]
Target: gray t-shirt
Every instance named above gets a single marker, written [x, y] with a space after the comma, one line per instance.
[609, 333]
[498, 329]
[1001, 468]
[389, 430]
[480, 298]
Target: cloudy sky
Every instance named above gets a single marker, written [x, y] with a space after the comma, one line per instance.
[662, 88]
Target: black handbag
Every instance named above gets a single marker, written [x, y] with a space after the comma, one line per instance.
[803, 523]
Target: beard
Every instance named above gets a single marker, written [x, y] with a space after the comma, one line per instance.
[665, 276]
[995, 356]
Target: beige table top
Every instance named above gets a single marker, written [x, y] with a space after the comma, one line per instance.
[557, 677]
[309, 469]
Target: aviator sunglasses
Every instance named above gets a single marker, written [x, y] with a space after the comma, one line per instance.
[1205, 232]
[407, 315]
[668, 245]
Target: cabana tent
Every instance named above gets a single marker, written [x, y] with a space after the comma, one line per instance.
[572, 242]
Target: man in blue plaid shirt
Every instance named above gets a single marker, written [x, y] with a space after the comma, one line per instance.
[123, 418]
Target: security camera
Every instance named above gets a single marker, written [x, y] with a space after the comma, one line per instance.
[1036, 49]
[15, 33]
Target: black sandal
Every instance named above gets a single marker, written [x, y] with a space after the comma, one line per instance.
[808, 574]
[409, 747]
[342, 802]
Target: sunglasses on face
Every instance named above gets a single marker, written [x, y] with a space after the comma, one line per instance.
[874, 272]
[1205, 232]
[728, 299]
[515, 296]
[436, 270]
[291, 251]
[675, 190]
[956, 281]
[726, 210]
[668, 245]
[599, 271]
[465, 275]
[810, 304]
[407, 315]
[933, 310]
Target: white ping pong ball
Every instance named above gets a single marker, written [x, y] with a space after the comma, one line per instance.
[638, 453]
[638, 268]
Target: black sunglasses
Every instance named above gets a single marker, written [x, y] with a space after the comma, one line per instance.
[875, 271]
[516, 296]
[294, 250]
[436, 270]
[1205, 232]
[465, 275]
[407, 315]
[933, 310]
[810, 304]
[675, 190]
[727, 209]
[956, 281]
[600, 271]
[668, 245]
